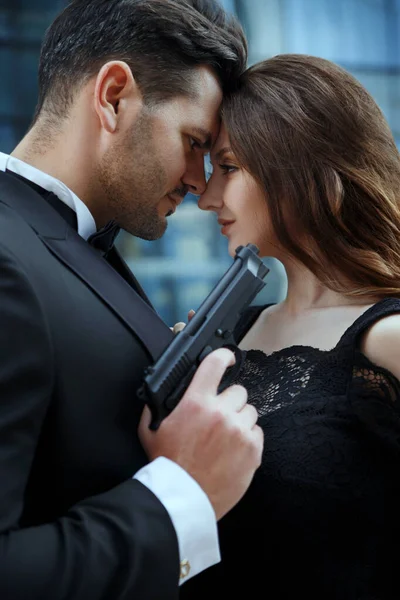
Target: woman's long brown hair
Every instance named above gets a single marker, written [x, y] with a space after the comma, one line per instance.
[320, 147]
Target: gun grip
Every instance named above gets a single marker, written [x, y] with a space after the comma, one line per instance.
[159, 411]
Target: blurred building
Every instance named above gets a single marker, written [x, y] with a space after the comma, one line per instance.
[179, 270]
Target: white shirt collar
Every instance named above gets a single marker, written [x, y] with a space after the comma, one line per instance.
[86, 223]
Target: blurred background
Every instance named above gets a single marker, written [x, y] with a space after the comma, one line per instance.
[179, 270]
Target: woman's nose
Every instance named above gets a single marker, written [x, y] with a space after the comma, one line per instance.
[210, 199]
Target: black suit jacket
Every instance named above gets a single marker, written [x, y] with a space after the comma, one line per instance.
[75, 338]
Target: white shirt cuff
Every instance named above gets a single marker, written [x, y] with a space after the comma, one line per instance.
[191, 513]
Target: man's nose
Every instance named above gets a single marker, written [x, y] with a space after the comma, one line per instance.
[194, 177]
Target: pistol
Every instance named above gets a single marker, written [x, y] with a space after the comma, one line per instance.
[166, 381]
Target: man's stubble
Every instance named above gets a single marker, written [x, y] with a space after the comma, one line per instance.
[134, 181]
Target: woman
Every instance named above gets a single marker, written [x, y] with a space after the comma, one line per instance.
[306, 168]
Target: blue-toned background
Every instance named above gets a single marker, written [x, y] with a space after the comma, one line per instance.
[178, 271]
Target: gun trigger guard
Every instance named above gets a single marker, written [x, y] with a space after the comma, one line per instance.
[232, 372]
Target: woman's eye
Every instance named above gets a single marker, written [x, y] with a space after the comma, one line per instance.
[226, 169]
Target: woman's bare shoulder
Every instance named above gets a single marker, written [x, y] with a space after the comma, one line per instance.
[381, 344]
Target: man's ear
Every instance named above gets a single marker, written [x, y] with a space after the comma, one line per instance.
[115, 92]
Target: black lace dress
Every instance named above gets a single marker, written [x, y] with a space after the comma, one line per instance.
[322, 516]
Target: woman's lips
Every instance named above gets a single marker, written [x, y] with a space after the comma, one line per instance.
[225, 226]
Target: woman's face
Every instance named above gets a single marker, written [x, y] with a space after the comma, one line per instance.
[237, 199]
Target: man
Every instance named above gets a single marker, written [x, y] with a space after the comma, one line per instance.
[91, 506]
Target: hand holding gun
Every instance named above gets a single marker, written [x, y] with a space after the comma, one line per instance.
[210, 328]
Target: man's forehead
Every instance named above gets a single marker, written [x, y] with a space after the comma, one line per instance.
[199, 109]
[215, 135]
[205, 124]
[222, 144]
[204, 82]
[207, 92]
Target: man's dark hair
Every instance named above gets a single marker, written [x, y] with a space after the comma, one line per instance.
[161, 40]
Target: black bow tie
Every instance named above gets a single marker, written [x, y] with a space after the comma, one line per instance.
[103, 239]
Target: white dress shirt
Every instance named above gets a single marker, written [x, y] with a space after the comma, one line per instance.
[187, 505]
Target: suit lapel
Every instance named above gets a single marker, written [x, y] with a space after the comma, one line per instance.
[115, 259]
[74, 252]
